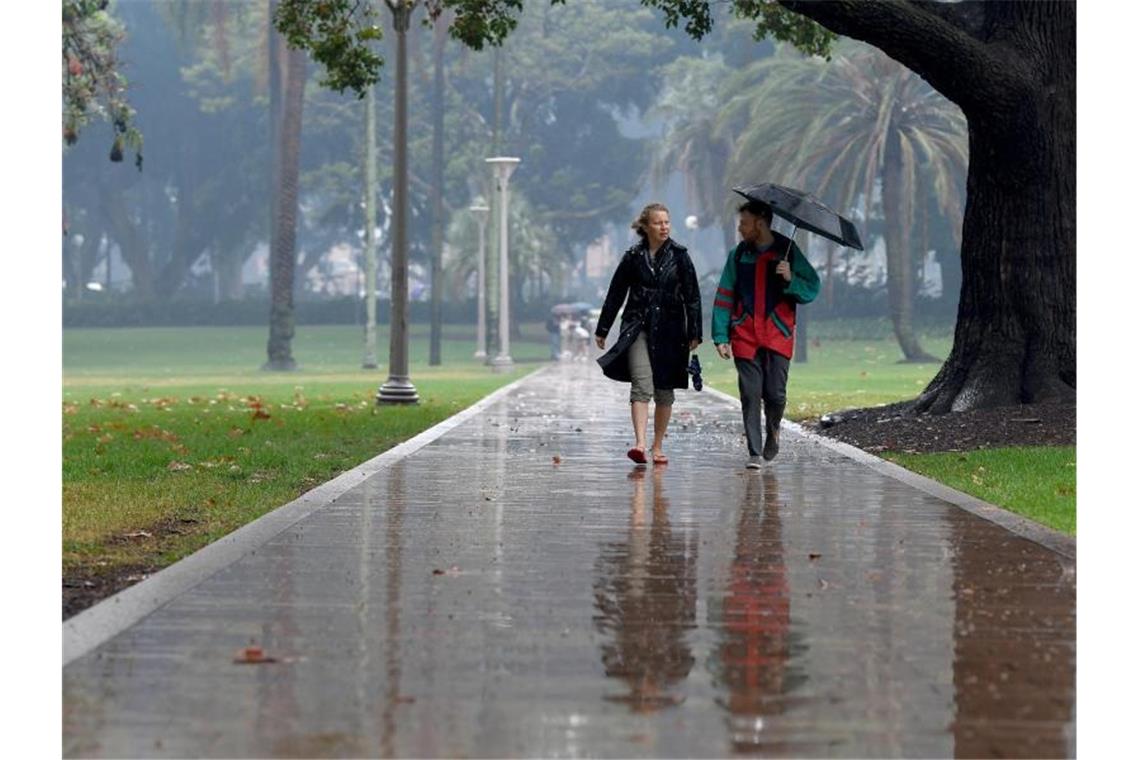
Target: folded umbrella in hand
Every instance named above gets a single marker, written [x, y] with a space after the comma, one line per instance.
[695, 371]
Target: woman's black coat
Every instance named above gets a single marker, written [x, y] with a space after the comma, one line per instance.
[665, 300]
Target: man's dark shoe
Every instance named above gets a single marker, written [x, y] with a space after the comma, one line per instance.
[773, 413]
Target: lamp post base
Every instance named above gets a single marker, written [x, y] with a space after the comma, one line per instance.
[397, 390]
[502, 363]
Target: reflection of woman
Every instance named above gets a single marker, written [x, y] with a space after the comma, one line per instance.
[661, 324]
[646, 599]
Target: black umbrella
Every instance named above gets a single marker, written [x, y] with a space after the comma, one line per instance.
[804, 210]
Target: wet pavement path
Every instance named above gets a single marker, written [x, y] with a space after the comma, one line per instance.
[476, 599]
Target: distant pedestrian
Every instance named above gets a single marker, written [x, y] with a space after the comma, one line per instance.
[581, 340]
[661, 324]
[554, 329]
[754, 321]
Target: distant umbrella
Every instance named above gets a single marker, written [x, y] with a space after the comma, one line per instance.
[804, 211]
[579, 307]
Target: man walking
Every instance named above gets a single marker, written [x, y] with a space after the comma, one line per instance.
[754, 321]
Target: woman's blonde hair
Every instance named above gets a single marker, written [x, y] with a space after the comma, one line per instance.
[641, 223]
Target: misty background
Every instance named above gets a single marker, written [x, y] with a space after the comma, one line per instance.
[606, 108]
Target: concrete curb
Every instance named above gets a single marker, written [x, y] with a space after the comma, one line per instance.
[94, 626]
[1055, 541]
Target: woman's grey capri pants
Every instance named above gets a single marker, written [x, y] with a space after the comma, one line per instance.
[641, 372]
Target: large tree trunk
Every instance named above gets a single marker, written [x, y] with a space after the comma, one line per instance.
[900, 260]
[439, 39]
[1015, 339]
[1011, 67]
[283, 236]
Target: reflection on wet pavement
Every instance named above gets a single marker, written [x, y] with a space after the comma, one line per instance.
[477, 598]
[646, 595]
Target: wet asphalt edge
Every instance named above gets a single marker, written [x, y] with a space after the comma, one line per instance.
[97, 624]
[1055, 541]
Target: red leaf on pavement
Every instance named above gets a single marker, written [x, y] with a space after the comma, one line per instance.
[252, 656]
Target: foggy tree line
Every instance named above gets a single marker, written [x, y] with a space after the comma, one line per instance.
[560, 90]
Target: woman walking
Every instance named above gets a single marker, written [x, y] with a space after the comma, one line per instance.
[661, 324]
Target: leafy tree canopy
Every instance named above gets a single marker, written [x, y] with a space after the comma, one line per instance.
[339, 33]
[93, 88]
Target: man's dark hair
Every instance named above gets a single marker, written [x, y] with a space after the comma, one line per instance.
[757, 208]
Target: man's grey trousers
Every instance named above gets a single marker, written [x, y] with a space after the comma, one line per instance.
[764, 377]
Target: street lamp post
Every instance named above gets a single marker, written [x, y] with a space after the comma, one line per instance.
[398, 389]
[503, 167]
[481, 212]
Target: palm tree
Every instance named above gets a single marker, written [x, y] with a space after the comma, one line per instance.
[847, 128]
[691, 144]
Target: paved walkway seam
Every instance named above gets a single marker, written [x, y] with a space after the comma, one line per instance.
[1055, 541]
[88, 629]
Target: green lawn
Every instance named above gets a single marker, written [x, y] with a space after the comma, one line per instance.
[1036, 482]
[1039, 482]
[172, 437]
[840, 374]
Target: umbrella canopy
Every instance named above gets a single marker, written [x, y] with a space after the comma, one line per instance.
[580, 307]
[804, 211]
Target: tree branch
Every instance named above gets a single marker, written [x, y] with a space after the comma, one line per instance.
[968, 16]
[931, 43]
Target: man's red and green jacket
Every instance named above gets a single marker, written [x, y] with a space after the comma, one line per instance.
[756, 308]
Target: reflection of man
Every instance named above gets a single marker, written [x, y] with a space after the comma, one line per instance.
[753, 619]
[764, 278]
[646, 601]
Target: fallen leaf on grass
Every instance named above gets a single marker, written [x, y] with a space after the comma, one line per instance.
[138, 534]
[252, 656]
[236, 432]
[177, 466]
